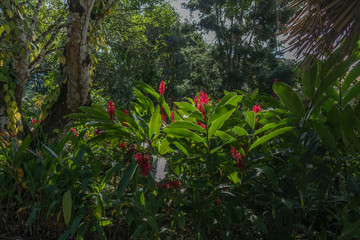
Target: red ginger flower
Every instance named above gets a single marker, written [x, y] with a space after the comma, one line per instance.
[125, 124]
[122, 145]
[162, 88]
[256, 108]
[111, 110]
[273, 92]
[199, 101]
[143, 163]
[175, 184]
[163, 114]
[201, 124]
[33, 121]
[239, 158]
[74, 132]
[218, 202]
[172, 117]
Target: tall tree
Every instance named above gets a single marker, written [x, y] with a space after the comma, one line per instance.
[31, 30]
[246, 43]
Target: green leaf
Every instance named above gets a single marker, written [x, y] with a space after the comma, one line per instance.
[351, 231]
[66, 206]
[152, 223]
[217, 124]
[270, 174]
[164, 147]
[126, 178]
[250, 118]
[353, 74]
[272, 125]
[224, 136]
[219, 112]
[142, 198]
[184, 133]
[259, 223]
[326, 137]
[290, 99]
[226, 98]
[52, 153]
[155, 124]
[187, 106]
[122, 115]
[269, 136]
[186, 125]
[309, 80]
[239, 131]
[353, 92]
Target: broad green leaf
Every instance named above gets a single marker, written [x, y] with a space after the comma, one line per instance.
[186, 125]
[152, 223]
[353, 74]
[219, 112]
[186, 106]
[259, 223]
[326, 137]
[239, 131]
[270, 174]
[234, 177]
[351, 231]
[181, 148]
[269, 136]
[226, 98]
[250, 118]
[52, 153]
[224, 136]
[142, 198]
[67, 206]
[220, 120]
[309, 80]
[126, 178]
[353, 92]
[111, 172]
[179, 132]
[128, 119]
[290, 99]
[272, 125]
[149, 90]
[155, 124]
[164, 147]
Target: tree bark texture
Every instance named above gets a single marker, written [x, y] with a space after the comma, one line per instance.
[77, 57]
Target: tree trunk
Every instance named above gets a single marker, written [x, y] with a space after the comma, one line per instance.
[75, 92]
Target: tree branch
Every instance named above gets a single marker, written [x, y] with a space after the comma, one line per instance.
[44, 51]
[34, 19]
[54, 28]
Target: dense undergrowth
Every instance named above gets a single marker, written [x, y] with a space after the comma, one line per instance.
[247, 166]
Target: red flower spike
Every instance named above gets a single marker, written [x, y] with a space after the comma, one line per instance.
[218, 202]
[173, 117]
[201, 124]
[239, 158]
[162, 88]
[111, 110]
[163, 115]
[33, 121]
[125, 124]
[98, 131]
[199, 101]
[143, 163]
[74, 132]
[163, 185]
[122, 145]
[273, 92]
[256, 108]
[175, 184]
